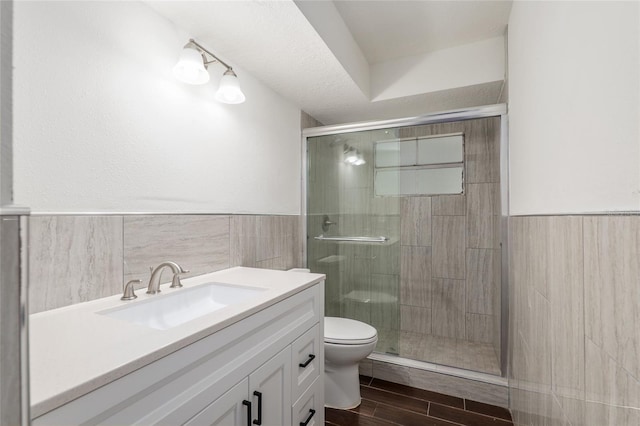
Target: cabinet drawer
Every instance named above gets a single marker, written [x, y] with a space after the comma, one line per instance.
[305, 353]
[309, 409]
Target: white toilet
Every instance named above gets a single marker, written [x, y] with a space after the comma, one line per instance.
[346, 343]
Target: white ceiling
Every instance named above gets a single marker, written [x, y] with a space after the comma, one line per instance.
[387, 30]
[275, 42]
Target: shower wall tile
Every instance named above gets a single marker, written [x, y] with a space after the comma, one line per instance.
[483, 199]
[385, 259]
[73, 259]
[415, 276]
[415, 225]
[199, 243]
[480, 328]
[483, 280]
[384, 302]
[483, 232]
[449, 247]
[482, 157]
[448, 205]
[448, 308]
[415, 319]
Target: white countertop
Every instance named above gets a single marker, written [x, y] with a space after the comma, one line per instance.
[74, 350]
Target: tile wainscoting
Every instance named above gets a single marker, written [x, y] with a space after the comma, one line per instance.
[77, 258]
[575, 309]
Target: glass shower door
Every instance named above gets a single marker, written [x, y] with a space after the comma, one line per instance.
[353, 236]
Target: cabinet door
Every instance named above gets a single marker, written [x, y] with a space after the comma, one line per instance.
[227, 410]
[273, 382]
[309, 408]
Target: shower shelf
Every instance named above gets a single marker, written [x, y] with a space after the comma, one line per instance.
[354, 239]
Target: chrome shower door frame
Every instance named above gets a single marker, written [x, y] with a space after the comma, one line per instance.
[499, 110]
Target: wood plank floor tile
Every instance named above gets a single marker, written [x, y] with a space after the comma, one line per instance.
[394, 399]
[418, 393]
[467, 418]
[365, 380]
[366, 407]
[489, 410]
[349, 418]
[408, 418]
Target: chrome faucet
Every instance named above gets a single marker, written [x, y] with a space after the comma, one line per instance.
[154, 281]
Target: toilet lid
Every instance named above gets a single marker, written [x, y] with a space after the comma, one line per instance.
[346, 331]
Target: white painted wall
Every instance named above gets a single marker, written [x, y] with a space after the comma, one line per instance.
[328, 23]
[101, 124]
[574, 107]
[461, 66]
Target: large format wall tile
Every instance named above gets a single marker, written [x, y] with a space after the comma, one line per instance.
[483, 199]
[575, 292]
[483, 280]
[415, 224]
[612, 287]
[449, 247]
[482, 150]
[415, 276]
[79, 258]
[271, 242]
[480, 328]
[448, 205]
[73, 259]
[566, 289]
[199, 243]
[415, 319]
[448, 308]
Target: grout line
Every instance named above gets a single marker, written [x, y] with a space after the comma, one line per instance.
[475, 412]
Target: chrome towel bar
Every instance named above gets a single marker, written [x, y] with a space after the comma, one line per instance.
[353, 239]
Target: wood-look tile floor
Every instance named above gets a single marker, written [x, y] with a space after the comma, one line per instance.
[386, 404]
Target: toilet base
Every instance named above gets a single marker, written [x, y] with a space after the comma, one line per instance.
[341, 386]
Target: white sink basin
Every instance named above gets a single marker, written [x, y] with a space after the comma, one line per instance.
[166, 311]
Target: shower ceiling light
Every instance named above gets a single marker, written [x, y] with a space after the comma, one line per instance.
[359, 161]
[350, 155]
[192, 69]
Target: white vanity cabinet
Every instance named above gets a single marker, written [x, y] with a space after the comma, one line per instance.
[264, 369]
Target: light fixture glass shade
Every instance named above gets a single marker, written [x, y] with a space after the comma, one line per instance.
[190, 67]
[350, 156]
[359, 161]
[229, 91]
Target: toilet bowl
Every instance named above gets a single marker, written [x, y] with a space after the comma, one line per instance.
[346, 343]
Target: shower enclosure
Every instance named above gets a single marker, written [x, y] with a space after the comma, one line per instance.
[405, 218]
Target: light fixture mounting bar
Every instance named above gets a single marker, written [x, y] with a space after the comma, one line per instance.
[216, 59]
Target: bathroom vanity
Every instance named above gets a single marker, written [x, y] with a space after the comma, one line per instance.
[259, 360]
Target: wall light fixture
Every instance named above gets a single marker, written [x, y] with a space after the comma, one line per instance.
[192, 69]
[353, 156]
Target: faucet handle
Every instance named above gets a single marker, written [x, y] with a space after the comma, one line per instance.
[129, 291]
[175, 282]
